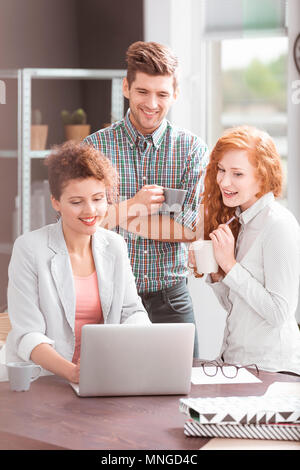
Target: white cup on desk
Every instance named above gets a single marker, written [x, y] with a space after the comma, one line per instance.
[21, 374]
[204, 256]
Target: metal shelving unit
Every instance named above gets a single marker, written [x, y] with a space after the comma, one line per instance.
[5, 247]
[23, 153]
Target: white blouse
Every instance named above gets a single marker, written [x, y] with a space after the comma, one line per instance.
[260, 293]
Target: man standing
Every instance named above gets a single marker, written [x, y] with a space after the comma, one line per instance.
[150, 154]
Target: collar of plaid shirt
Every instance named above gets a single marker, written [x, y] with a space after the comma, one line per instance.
[134, 135]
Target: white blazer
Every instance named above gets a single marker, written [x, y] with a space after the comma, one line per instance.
[41, 293]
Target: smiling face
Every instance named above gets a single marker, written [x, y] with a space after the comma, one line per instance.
[82, 206]
[150, 98]
[237, 179]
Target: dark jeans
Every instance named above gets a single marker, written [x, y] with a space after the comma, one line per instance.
[171, 305]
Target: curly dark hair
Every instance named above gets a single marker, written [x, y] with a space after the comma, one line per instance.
[72, 160]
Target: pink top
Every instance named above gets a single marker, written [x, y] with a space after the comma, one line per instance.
[88, 307]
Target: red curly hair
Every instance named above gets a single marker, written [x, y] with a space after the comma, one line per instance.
[262, 155]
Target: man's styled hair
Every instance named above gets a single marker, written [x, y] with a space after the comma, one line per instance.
[151, 58]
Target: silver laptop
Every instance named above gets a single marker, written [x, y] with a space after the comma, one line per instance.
[152, 359]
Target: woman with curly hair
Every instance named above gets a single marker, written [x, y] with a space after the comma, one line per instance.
[70, 273]
[258, 253]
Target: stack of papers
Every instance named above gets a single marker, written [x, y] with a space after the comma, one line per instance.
[244, 376]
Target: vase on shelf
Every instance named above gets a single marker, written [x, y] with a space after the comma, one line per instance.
[75, 125]
[39, 131]
[77, 132]
[39, 134]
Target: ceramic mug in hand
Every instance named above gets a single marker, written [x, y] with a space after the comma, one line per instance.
[204, 256]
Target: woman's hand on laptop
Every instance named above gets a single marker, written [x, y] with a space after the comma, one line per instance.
[75, 373]
[46, 356]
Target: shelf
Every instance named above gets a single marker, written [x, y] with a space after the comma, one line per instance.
[8, 154]
[24, 154]
[9, 73]
[39, 153]
[79, 74]
[32, 154]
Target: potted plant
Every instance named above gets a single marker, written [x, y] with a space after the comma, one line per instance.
[75, 125]
[39, 131]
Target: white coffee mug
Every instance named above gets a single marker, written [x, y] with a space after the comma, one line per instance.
[21, 374]
[204, 256]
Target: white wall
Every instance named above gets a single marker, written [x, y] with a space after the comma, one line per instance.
[293, 119]
[176, 24]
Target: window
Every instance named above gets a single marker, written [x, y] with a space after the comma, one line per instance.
[252, 88]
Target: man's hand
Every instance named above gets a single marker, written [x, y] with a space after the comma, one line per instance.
[147, 200]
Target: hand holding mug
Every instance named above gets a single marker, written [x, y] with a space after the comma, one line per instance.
[149, 198]
[223, 245]
[192, 262]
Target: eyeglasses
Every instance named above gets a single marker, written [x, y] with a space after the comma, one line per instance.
[230, 371]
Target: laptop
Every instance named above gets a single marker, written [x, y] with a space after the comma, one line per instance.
[135, 359]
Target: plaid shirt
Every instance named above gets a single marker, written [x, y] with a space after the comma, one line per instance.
[170, 157]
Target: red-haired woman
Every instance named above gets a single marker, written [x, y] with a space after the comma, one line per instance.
[70, 273]
[258, 254]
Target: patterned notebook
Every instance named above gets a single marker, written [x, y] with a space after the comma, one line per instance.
[242, 410]
[285, 432]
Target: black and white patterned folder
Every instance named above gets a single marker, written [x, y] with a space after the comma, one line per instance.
[285, 432]
[242, 410]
